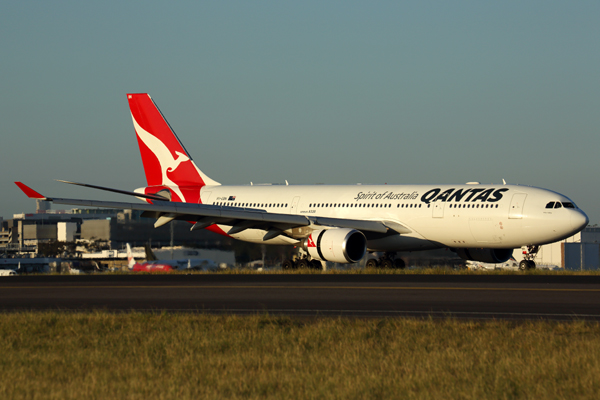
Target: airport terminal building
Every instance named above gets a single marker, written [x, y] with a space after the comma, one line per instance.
[109, 227]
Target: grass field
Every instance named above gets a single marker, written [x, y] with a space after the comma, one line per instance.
[187, 356]
[442, 270]
[380, 271]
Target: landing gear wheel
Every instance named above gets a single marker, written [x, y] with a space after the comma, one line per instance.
[386, 263]
[302, 263]
[524, 265]
[531, 264]
[371, 263]
[288, 264]
[399, 263]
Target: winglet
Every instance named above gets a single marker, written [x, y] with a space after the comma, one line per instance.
[32, 194]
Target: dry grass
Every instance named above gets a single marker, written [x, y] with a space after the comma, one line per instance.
[181, 356]
[379, 271]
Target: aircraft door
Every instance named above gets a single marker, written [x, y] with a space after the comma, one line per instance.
[516, 206]
[205, 197]
[294, 208]
[438, 209]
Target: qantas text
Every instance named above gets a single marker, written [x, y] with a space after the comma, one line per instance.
[477, 194]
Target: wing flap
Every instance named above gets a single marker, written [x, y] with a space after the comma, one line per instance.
[361, 225]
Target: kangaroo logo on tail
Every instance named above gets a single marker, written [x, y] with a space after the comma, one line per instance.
[166, 162]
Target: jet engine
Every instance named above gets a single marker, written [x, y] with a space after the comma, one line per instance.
[493, 256]
[341, 245]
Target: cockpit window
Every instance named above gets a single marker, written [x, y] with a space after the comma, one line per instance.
[568, 205]
[550, 205]
[557, 205]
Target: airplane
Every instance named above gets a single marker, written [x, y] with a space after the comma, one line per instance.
[338, 223]
[147, 266]
[198, 264]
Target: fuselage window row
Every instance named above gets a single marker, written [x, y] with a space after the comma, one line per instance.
[271, 205]
[373, 205]
[343, 205]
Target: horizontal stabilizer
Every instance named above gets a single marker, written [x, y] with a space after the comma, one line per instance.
[125, 192]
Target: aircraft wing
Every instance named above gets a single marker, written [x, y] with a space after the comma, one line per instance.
[240, 219]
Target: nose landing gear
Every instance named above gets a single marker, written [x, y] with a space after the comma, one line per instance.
[528, 257]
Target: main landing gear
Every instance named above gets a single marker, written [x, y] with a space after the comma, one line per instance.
[387, 261]
[528, 257]
[302, 261]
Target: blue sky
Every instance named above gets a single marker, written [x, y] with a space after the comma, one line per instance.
[311, 92]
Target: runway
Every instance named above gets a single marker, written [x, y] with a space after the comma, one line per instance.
[457, 296]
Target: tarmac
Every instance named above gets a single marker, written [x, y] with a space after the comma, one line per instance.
[425, 296]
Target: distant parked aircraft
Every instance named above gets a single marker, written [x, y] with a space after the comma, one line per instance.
[152, 266]
[168, 265]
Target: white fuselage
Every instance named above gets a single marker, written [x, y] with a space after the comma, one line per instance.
[455, 216]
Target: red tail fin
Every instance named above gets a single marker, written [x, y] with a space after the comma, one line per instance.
[166, 162]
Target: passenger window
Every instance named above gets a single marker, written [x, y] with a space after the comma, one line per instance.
[550, 205]
[557, 205]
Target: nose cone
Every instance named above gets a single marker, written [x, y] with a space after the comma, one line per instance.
[579, 220]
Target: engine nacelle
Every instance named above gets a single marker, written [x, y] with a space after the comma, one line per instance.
[341, 245]
[493, 256]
